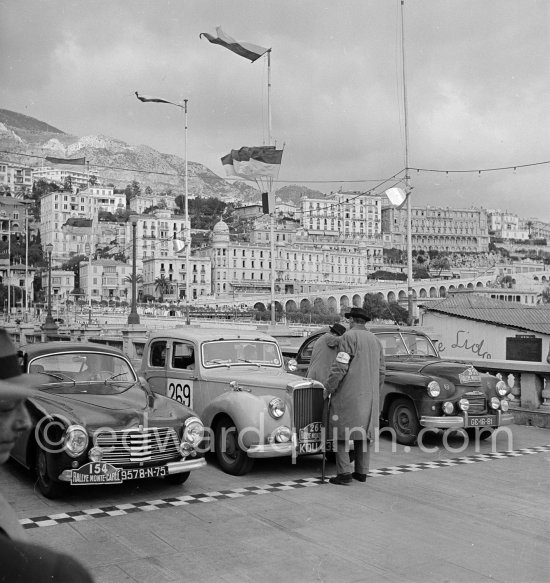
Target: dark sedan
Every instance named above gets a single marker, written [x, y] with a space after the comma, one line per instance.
[421, 390]
[96, 422]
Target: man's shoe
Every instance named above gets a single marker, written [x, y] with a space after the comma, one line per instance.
[341, 479]
[359, 477]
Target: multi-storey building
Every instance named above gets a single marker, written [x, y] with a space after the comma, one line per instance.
[348, 214]
[60, 175]
[505, 225]
[110, 280]
[139, 204]
[56, 208]
[437, 228]
[62, 286]
[240, 266]
[15, 178]
[166, 276]
[535, 228]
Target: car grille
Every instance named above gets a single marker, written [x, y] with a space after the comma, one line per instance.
[478, 404]
[308, 406]
[136, 447]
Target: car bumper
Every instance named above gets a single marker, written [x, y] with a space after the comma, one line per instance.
[459, 421]
[173, 468]
[270, 450]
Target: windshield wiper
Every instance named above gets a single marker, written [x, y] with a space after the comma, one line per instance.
[60, 377]
[118, 375]
[249, 362]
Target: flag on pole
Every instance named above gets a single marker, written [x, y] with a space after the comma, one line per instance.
[77, 161]
[148, 99]
[253, 162]
[246, 50]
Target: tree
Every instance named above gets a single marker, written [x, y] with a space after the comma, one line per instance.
[440, 263]
[378, 308]
[161, 286]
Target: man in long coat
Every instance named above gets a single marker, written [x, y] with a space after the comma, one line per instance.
[354, 386]
[324, 352]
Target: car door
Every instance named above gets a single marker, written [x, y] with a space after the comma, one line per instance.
[182, 373]
[155, 371]
[303, 358]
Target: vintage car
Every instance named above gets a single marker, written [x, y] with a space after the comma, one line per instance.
[422, 390]
[236, 381]
[95, 422]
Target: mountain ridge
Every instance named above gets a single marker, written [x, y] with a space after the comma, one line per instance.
[23, 138]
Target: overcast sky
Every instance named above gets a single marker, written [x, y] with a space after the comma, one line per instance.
[477, 87]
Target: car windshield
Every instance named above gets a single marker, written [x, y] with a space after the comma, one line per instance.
[406, 344]
[241, 352]
[90, 372]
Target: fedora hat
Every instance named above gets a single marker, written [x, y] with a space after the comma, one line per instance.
[13, 383]
[357, 313]
[337, 329]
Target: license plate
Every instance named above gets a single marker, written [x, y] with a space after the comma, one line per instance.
[139, 473]
[484, 421]
[95, 473]
[313, 446]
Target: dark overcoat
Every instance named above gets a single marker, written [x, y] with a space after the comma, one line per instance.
[354, 383]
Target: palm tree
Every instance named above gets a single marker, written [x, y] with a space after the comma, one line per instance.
[130, 280]
[161, 285]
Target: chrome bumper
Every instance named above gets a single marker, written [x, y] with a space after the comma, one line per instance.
[458, 422]
[173, 468]
[270, 450]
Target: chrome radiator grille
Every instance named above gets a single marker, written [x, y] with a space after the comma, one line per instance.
[478, 404]
[136, 447]
[308, 406]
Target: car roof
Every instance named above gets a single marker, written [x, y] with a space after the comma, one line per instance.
[206, 334]
[40, 348]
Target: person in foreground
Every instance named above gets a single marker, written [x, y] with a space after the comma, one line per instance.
[354, 385]
[20, 561]
[324, 352]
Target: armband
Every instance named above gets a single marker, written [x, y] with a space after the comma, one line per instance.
[343, 358]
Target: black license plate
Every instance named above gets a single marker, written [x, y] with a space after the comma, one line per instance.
[140, 473]
[313, 446]
[481, 421]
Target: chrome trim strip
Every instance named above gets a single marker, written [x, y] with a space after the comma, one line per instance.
[270, 450]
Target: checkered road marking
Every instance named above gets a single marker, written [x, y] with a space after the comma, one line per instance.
[201, 498]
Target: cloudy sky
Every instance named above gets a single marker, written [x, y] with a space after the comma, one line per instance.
[477, 87]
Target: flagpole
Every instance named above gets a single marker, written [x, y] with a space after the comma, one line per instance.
[270, 184]
[187, 229]
[410, 298]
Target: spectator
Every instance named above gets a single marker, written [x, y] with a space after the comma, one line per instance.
[23, 562]
[324, 352]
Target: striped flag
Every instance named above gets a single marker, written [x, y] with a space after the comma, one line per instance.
[253, 162]
[246, 50]
[149, 99]
[77, 161]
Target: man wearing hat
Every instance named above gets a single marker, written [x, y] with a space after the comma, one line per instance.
[324, 352]
[354, 382]
[22, 562]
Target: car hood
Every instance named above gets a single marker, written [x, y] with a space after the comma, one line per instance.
[128, 409]
[459, 373]
[251, 377]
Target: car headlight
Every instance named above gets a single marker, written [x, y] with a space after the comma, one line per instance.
[292, 365]
[464, 404]
[502, 388]
[193, 431]
[448, 408]
[434, 389]
[276, 408]
[494, 402]
[504, 405]
[76, 440]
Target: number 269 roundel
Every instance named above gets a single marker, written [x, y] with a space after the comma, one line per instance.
[180, 390]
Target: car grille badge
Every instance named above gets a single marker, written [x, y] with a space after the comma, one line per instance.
[470, 375]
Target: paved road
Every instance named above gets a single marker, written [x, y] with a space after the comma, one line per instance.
[424, 516]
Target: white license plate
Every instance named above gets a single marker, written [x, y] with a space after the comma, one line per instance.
[139, 473]
[313, 446]
[483, 421]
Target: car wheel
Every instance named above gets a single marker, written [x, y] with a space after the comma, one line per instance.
[49, 487]
[177, 479]
[231, 457]
[480, 433]
[403, 420]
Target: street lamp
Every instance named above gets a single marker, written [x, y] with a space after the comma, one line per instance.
[133, 316]
[49, 327]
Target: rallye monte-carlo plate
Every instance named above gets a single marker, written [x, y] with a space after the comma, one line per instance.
[311, 438]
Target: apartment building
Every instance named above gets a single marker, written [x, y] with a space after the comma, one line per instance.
[505, 225]
[437, 228]
[61, 175]
[15, 178]
[106, 279]
[139, 204]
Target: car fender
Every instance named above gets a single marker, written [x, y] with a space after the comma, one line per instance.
[248, 412]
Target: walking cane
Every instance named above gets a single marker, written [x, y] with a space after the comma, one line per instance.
[326, 441]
